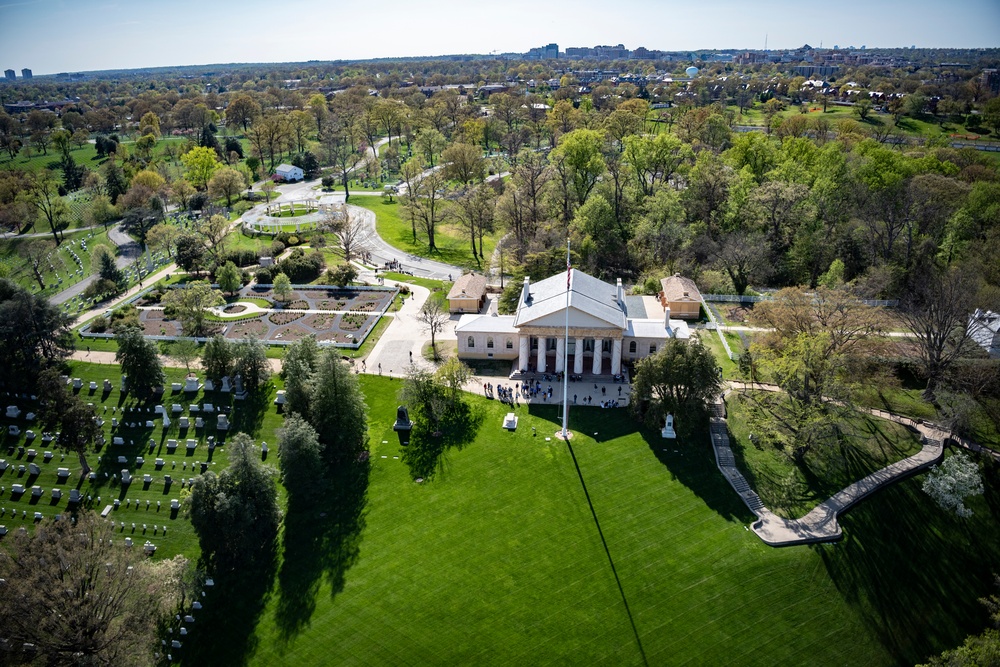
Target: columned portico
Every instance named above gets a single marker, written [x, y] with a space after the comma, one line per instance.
[540, 362]
[598, 353]
[524, 353]
[578, 357]
[616, 356]
[560, 355]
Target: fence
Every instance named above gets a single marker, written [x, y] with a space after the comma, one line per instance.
[715, 325]
[747, 298]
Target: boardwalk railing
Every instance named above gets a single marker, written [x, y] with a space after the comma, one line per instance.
[715, 325]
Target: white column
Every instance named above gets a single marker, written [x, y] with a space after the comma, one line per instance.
[578, 357]
[616, 356]
[542, 340]
[560, 355]
[524, 353]
[597, 356]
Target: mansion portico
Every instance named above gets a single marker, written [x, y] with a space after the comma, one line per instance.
[606, 327]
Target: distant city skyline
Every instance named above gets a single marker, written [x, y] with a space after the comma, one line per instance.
[51, 36]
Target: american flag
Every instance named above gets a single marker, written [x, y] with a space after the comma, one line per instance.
[569, 272]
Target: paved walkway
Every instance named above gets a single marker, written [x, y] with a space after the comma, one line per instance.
[819, 525]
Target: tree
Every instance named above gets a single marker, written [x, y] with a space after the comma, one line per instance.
[937, 312]
[33, 332]
[298, 365]
[163, 237]
[425, 395]
[426, 205]
[464, 163]
[474, 211]
[817, 336]
[236, 513]
[75, 596]
[43, 195]
[282, 287]
[301, 461]
[226, 182]
[184, 352]
[182, 192]
[242, 111]
[268, 188]
[250, 363]
[200, 164]
[190, 304]
[213, 232]
[433, 315]
[337, 409]
[680, 377]
[190, 252]
[217, 358]
[862, 108]
[229, 278]
[67, 414]
[140, 361]
[105, 266]
[579, 153]
[36, 256]
[745, 258]
[351, 231]
[149, 124]
[339, 145]
[454, 375]
[951, 482]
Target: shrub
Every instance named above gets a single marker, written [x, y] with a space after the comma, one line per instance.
[329, 182]
[263, 276]
[300, 267]
[198, 201]
[243, 257]
[99, 324]
[277, 247]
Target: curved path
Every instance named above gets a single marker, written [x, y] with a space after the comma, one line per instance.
[819, 525]
[128, 250]
[382, 252]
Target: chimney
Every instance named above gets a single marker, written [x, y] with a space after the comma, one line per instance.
[666, 321]
[621, 293]
[525, 293]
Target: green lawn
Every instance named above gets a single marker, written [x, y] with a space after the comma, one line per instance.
[495, 557]
[453, 246]
[62, 263]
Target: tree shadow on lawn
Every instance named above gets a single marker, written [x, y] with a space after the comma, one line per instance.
[695, 469]
[322, 538]
[913, 571]
[247, 416]
[225, 633]
[424, 456]
[693, 465]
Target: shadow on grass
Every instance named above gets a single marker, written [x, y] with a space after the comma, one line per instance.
[322, 539]
[249, 417]
[913, 571]
[429, 442]
[226, 629]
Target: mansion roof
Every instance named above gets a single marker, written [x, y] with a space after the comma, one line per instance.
[594, 301]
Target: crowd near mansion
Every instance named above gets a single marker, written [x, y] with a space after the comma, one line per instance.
[606, 327]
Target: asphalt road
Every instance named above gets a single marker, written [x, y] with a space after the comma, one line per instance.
[128, 250]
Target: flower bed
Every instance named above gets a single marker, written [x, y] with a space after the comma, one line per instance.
[320, 321]
[232, 309]
[283, 318]
[352, 322]
[256, 328]
[298, 304]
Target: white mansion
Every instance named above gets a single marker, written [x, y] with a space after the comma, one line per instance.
[605, 327]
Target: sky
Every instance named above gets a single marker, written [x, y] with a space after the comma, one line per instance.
[50, 36]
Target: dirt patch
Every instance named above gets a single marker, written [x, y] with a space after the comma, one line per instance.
[298, 304]
[248, 328]
[283, 318]
[328, 304]
[320, 321]
[738, 313]
[352, 322]
[161, 327]
[234, 308]
[335, 336]
[291, 332]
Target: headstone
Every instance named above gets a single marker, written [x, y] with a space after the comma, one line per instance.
[37, 491]
[93, 385]
[209, 385]
[107, 384]
[240, 392]
[668, 428]
[199, 422]
[177, 408]
[192, 444]
[123, 384]
[223, 423]
[122, 459]
[175, 504]
[183, 422]
[139, 461]
[17, 489]
[225, 385]
[13, 412]
[171, 446]
[191, 384]
[57, 493]
[126, 476]
[208, 407]
[150, 424]
[194, 407]
[77, 383]
[175, 386]
[29, 435]
[403, 422]
[33, 469]
[147, 478]
[14, 429]
[160, 410]
[159, 463]
[280, 400]
[118, 440]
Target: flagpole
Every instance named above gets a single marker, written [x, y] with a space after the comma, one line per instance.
[565, 419]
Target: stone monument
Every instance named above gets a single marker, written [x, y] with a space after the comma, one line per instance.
[668, 428]
[403, 422]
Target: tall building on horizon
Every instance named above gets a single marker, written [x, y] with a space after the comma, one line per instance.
[26, 73]
[9, 74]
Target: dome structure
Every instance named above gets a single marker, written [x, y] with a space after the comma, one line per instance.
[691, 71]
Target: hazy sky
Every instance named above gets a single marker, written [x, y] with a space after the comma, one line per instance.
[51, 36]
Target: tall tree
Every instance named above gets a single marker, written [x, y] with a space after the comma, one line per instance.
[200, 163]
[301, 459]
[43, 195]
[337, 409]
[71, 595]
[580, 152]
[140, 361]
[433, 315]
[236, 513]
[679, 378]
[226, 182]
[33, 332]
[191, 303]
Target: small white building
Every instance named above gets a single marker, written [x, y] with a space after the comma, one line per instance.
[984, 329]
[605, 328]
[289, 173]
